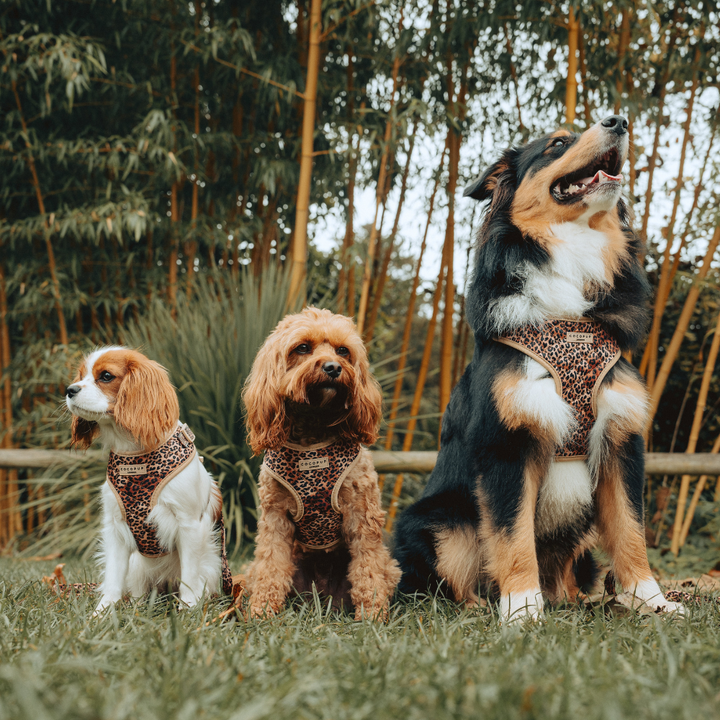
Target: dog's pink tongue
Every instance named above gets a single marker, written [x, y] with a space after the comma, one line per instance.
[601, 177]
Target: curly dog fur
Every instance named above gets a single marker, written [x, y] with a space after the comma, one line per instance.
[310, 383]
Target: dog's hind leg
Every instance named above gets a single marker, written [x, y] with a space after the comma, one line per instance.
[619, 519]
[459, 561]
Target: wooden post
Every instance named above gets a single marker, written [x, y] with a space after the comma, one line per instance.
[298, 271]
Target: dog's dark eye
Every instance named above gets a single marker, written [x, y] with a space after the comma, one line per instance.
[343, 351]
[105, 377]
[303, 349]
[558, 143]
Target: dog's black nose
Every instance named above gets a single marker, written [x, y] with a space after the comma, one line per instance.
[332, 369]
[616, 123]
[72, 390]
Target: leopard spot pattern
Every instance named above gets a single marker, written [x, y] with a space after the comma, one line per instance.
[578, 365]
[320, 526]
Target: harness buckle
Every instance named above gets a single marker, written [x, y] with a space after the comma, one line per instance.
[186, 437]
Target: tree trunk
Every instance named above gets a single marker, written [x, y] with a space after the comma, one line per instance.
[302, 207]
[571, 81]
[694, 433]
[682, 325]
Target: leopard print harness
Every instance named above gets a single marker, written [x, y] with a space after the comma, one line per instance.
[578, 354]
[314, 475]
[137, 479]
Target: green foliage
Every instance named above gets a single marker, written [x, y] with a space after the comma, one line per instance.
[430, 660]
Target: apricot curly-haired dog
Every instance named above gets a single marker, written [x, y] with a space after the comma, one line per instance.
[311, 401]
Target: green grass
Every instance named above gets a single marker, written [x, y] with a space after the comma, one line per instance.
[430, 661]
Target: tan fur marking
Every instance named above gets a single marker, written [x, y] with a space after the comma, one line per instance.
[621, 535]
[511, 559]
[458, 561]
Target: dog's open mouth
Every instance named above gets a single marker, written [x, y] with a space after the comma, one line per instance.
[603, 170]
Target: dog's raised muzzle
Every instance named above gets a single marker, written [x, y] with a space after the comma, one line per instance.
[616, 123]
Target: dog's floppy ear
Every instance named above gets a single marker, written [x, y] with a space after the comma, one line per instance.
[146, 404]
[82, 432]
[265, 404]
[496, 175]
[366, 404]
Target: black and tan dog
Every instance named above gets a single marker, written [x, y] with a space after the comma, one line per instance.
[541, 448]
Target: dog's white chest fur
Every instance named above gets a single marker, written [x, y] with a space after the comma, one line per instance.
[565, 495]
[557, 289]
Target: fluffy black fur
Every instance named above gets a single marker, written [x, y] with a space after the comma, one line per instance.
[474, 442]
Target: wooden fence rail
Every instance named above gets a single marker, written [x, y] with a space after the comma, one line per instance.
[385, 461]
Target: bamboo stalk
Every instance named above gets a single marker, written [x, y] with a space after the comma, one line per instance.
[419, 389]
[694, 433]
[47, 225]
[513, 75]
[652, 160]
[352, 173]
[622, 49]
[696, 498]
[682, 325]
[405, 344]
[587, 107]
[571, 81]
[302, 207]
[660, 295]
[382, 277]
[380, 191]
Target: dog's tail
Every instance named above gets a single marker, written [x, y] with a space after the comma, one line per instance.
[586, 571]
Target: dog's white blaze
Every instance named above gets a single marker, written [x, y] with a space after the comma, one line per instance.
[626, 409]
[565, 495]
[90, 401]
[516, 607]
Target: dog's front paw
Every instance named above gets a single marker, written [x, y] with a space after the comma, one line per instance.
[258, 611]
[521, 607]
[648, 596]
[106, 601]
[380, 613]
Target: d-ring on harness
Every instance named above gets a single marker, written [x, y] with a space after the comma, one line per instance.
[578, 354]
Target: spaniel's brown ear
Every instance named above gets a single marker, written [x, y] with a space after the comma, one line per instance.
[83, 432]
[146, 404]
[366, 404]
[265, 405]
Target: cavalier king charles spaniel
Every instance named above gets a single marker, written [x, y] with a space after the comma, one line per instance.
[162, 511]
[311, 401]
